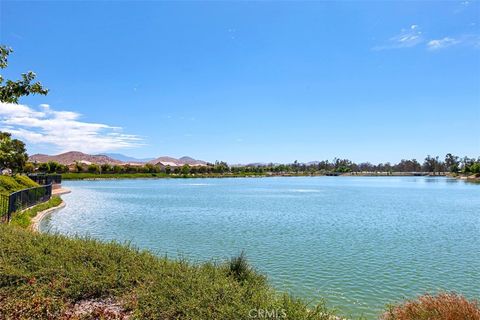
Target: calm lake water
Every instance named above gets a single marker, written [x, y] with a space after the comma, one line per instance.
[359, 242]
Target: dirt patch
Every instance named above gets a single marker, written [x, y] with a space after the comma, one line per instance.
[98, 309]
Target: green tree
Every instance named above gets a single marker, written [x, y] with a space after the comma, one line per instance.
[44, 167]
[29, 167]
[150, 168]
[11, 91]
[185, 169]
[475, 168]
[429, 164]
[220, 167]
[54, 167]
[117, 169]
[106, 168]
[12, 153]
[93, 168]
[342, 165]
[452, 163]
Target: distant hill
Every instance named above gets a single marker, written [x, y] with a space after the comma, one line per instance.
[124, 158]
[74, 156]
[188, 160]
[110, 158]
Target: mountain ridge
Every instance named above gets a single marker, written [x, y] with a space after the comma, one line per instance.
[125, 158]
[71, 157]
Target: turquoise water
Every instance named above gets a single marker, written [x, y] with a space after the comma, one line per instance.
[359, 242]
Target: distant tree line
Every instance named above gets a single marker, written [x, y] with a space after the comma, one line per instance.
[431, 165]
[434, 165]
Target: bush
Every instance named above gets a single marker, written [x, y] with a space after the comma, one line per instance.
[444, 306]
[239, 267]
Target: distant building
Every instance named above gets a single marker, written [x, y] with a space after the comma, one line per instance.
[133, 164]
[164, 164]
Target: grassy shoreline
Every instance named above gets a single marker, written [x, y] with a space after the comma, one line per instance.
[47, 276]
[108, 176]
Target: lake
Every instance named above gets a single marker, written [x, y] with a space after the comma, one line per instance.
[359, 242]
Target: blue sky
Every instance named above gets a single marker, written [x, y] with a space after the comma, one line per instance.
[248, 81]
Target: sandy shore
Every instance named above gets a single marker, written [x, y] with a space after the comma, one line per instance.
[60, 191]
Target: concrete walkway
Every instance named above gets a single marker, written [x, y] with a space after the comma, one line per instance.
[60, 191]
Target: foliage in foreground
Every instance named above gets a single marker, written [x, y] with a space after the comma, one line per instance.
[24, 219]
[43, 276]
[10, 90]
[444, 306]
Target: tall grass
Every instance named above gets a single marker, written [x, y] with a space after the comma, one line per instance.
[43, 276]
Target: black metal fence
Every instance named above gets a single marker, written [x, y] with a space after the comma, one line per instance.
[46, 179]
[4, 199]
[23, 199]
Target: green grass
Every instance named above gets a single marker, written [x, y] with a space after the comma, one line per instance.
[83, 176]
[24, 218]
[9, 184]
[87, 176]
[42, 276]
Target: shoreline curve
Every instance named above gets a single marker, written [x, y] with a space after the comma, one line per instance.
[35, 226]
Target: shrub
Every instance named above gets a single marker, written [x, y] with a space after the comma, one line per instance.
[239, 267]
[444, 306]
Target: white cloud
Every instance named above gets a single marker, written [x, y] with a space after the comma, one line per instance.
[62, 129]
[468, 40]
[407, 38]
[441, 43]
[412, 36]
